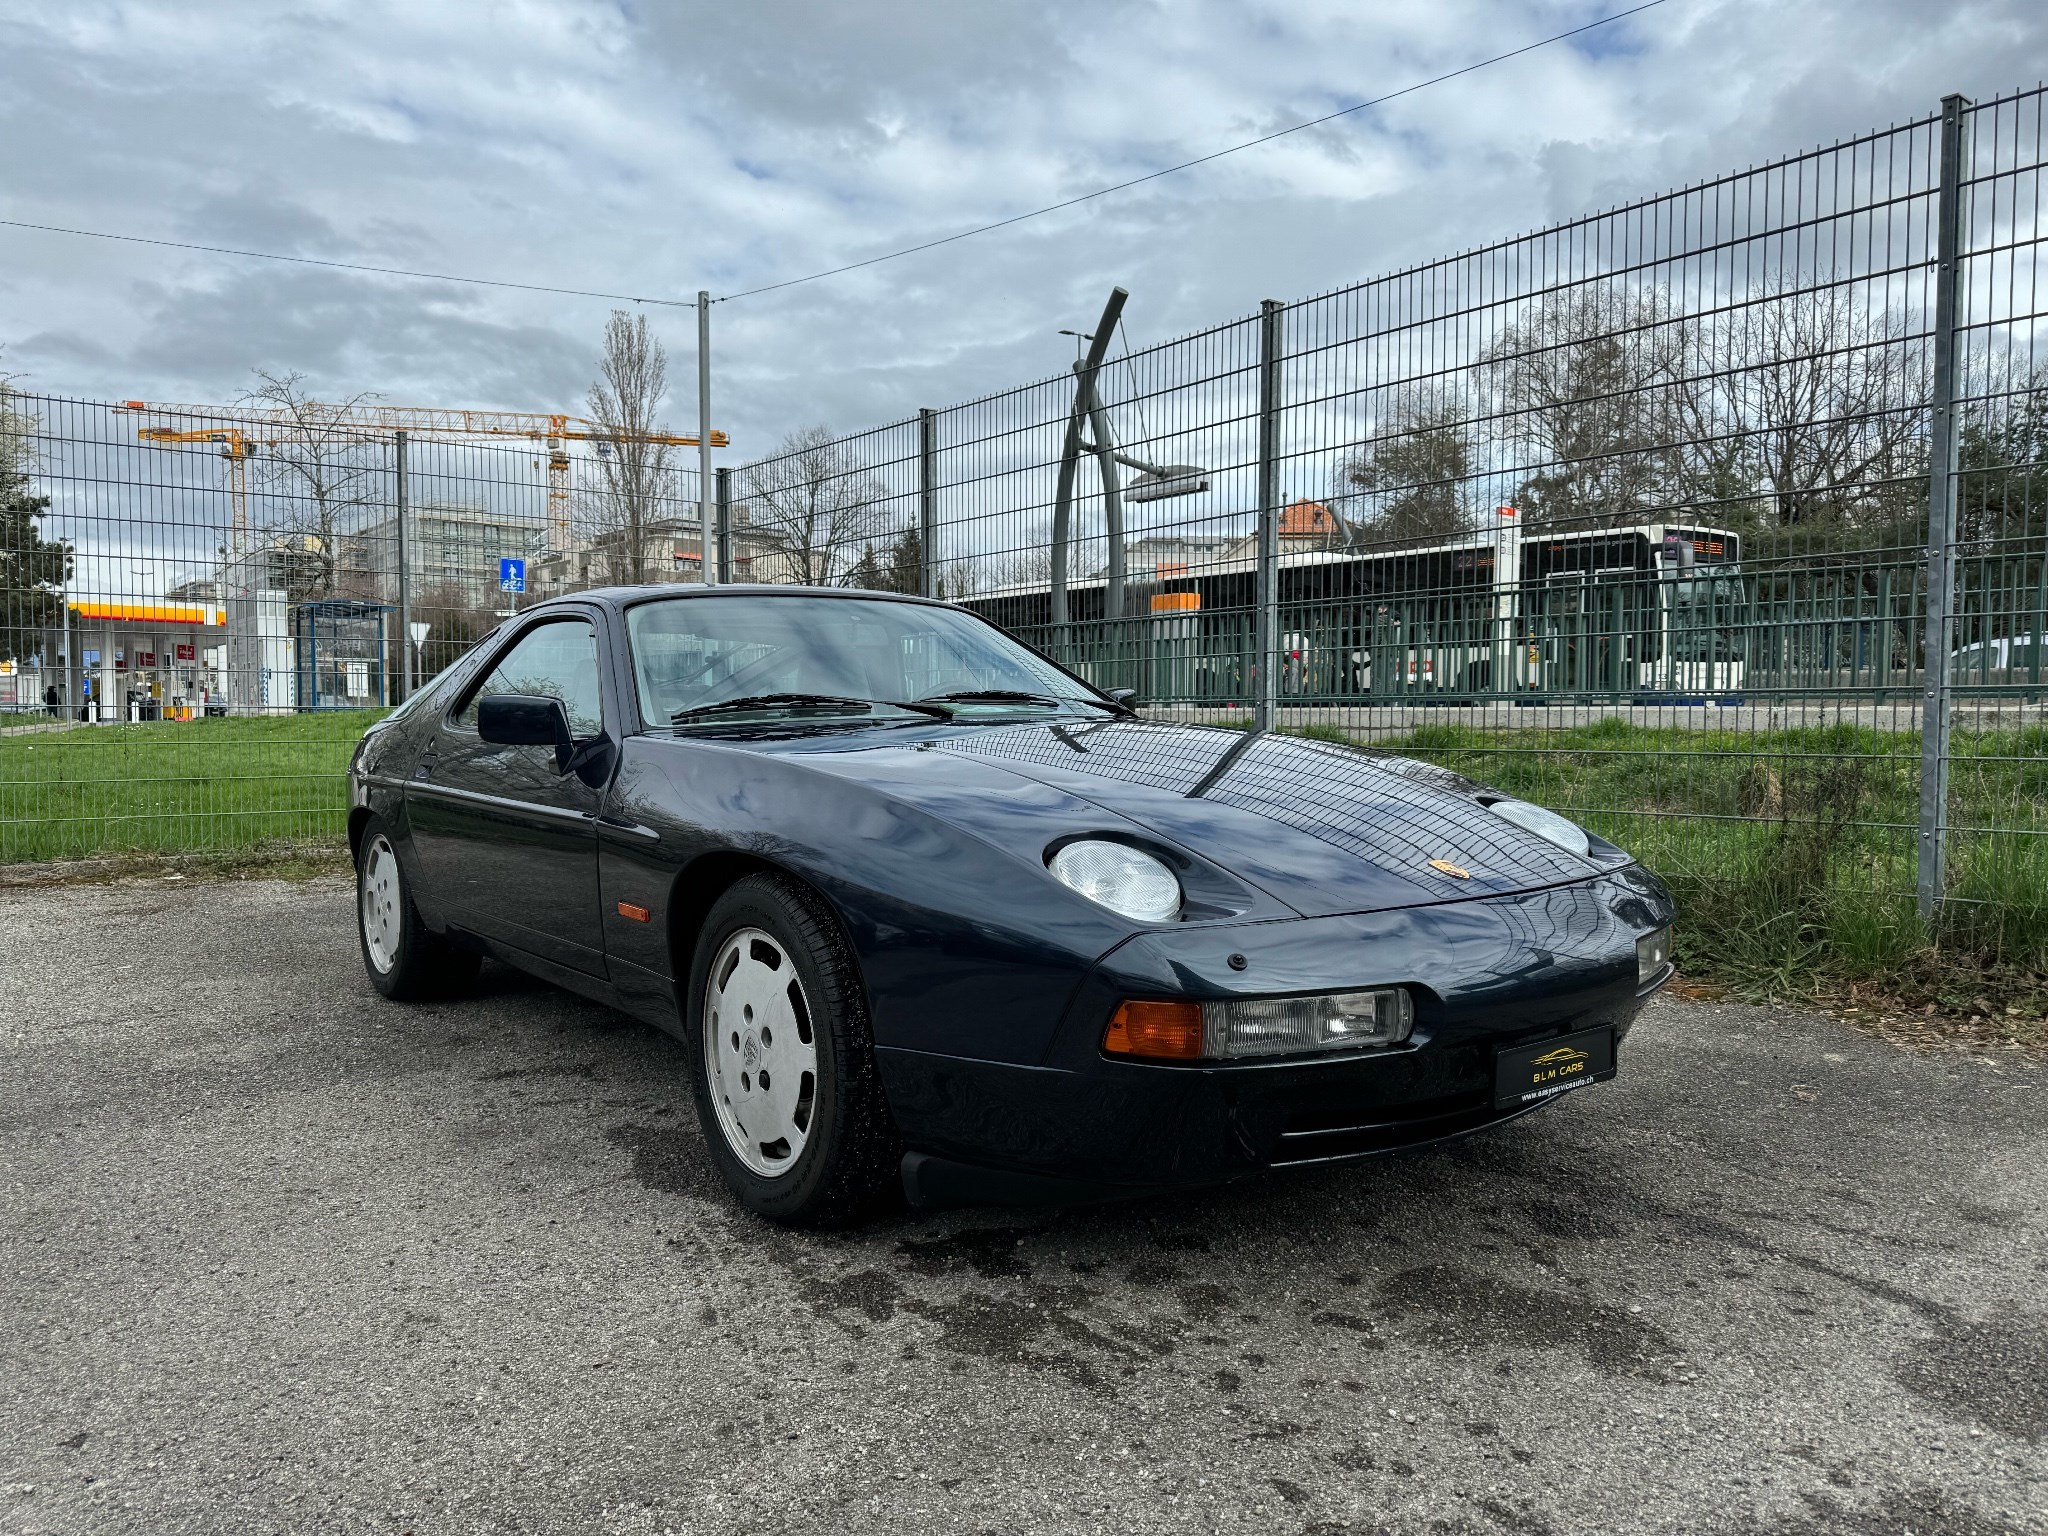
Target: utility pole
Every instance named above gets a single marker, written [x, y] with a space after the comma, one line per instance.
[704, 489]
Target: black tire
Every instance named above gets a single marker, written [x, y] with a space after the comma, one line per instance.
[404, 960]
[847, 1167]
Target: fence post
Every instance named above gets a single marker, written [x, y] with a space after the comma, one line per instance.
[709, 550]
[1941, 520]
[70, 703]
[723, 512]
[1265, 626]
[405, 673]
[927, 502]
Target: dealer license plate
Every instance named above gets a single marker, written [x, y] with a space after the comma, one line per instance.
[1523, 1074]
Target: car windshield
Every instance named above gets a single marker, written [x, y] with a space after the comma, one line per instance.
[728, 659]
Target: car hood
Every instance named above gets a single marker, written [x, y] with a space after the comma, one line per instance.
[1321, 827]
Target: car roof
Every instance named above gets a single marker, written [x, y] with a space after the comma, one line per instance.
[626, 597]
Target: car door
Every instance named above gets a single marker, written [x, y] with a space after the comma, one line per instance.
[505, 841]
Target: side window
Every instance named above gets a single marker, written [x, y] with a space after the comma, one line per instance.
[560, 660]
[434, 692]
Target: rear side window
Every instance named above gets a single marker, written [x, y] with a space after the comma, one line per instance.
[558, 660]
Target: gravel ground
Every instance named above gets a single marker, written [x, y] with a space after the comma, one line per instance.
[279, 1256]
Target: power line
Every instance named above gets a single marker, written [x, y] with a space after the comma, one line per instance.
[1137, 395]
[852, 266]
[348, 266]
[1135, 181]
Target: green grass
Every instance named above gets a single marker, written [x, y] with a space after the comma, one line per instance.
[202, 786]
[1792, 852]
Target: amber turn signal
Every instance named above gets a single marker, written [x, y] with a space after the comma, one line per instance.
[1163, 1031]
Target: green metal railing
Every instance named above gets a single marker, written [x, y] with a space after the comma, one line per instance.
[1845, 631]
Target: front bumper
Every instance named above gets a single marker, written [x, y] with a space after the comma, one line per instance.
[1485, 974]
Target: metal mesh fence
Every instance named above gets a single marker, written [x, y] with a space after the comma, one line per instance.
[201, 611]
[1656, 516]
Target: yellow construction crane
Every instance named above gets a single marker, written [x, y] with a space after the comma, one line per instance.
[235, 448]
[437, 422]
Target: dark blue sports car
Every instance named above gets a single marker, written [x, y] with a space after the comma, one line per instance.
[927, 909]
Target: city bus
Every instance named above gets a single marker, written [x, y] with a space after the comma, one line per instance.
[1645, 613]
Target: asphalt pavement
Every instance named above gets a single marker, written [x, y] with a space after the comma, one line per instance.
[279, 1256]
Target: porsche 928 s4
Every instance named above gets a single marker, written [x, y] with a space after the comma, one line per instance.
[928, 911]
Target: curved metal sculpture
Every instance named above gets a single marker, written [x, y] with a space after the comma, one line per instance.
[1156, 482]
[1087, 403]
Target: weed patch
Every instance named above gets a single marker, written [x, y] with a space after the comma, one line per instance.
[1793, 852]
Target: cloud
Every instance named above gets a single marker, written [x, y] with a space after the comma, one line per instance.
[851, 72]
[661, 148]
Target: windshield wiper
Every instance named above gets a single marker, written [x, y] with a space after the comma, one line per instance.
[808, 703]
[992, 696]
[1018, 696]
[1114, 706]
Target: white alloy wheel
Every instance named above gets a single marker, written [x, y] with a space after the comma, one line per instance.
[382, 922]
[760, 1052]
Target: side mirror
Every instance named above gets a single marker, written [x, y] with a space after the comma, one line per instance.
[1127, 697]
[525, 720]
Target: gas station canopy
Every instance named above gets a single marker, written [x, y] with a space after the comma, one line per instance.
[148, 613]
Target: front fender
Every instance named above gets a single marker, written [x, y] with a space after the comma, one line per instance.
[967, 948]
[376, 786]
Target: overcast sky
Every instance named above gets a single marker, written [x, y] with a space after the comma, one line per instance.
[663, 147]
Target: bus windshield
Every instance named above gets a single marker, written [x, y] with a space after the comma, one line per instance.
[1705, 608]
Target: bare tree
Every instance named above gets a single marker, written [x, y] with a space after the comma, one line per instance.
[1407, 483]
[815, 506]
[957, 579]
[319, 473]
[635, 481]
[1023, 564]
[456, 622]
[17, 428]
[1810, 397]
[33, 569]
[2003, 489]
[1586, 380]
[1032, 566]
